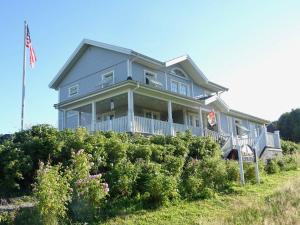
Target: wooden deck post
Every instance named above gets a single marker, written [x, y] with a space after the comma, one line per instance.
[170, 117]
[130, 111]
[201, 122]
[93, 124]
[241, 165]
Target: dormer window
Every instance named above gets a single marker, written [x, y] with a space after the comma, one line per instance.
[179, 72]
[73, 90]
[107, 79]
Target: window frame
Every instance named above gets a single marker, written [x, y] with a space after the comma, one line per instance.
[150, 72]
[179, 69]
[73, 86]
[107, 73]
[179, 84]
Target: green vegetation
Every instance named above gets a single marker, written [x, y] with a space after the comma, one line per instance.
[289, 125]
[80, 177]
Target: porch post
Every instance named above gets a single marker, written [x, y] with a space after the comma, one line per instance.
[130, 111]
[277, 140]
[170, 117]
[79, 119]
[219, 122]
[93, 124]
[185, 119]
[265, 135]
[201, 122]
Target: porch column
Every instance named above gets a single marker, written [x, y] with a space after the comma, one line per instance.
[130, 111]
[219, 122]
[93, 124]
[185, 119]
[170, 118]
[264, 130]
[277, 140]
[201, 122]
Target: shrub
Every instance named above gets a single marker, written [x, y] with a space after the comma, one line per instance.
[233, 170]
[14, 165]
[203, 147]
[155, 187]
[139, 151]
[52, 192]
[115, 149]
[289, 147]
[121, 179]
[272, 166]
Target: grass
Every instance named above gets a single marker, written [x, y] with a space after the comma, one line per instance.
[275, 201]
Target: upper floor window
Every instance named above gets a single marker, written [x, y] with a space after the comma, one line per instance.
[107, 79]
[179, 72]
[174, 86]
[179, 87]
[151, 79]
[149, 76]
[183, 89]
[73, 90]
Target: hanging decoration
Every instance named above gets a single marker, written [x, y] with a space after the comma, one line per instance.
[211, 118]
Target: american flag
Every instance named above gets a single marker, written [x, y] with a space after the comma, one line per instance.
[32, 55]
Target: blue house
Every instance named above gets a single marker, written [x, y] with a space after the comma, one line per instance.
[105, 87]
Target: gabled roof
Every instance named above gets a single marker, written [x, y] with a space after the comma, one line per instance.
[83, 46]
[193, 70]
[185, 61]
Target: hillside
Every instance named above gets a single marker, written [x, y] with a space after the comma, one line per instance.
[252, 205]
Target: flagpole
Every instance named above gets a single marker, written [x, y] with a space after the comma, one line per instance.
[23, 78]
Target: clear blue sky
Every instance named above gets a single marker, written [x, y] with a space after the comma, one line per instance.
[252, 47]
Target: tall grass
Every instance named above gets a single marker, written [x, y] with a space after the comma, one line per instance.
[281, 207]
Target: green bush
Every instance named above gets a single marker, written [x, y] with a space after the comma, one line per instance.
[121, 179]
[14, 166]
[52, 192]
[289, 147]
[272, 166]
[139, 151]
[154, 186]
[233, 170]
[200, 148]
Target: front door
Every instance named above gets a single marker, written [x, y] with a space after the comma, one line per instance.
[107, 116]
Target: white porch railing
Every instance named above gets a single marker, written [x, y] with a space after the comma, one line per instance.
[119, 124]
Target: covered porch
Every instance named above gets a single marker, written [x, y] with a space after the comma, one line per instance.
[136, 113]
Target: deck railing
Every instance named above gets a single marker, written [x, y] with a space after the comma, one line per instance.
[119, 124]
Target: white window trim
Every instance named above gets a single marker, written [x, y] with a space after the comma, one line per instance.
[179, 84]
[174, 73]
[113, 76]
[151, 72]
[69, 89]
[195, 117]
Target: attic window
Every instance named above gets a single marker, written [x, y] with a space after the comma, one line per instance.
[179, 72]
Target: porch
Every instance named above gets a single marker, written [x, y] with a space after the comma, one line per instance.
[135, 113]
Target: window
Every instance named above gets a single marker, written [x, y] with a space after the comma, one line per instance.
[174, 86]
[180, 88]
[149, 76]
[73, 90]
[107, 79]
[183, 89]
[179, 72]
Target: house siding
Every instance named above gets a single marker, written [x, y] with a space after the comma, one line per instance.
[88, 69]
